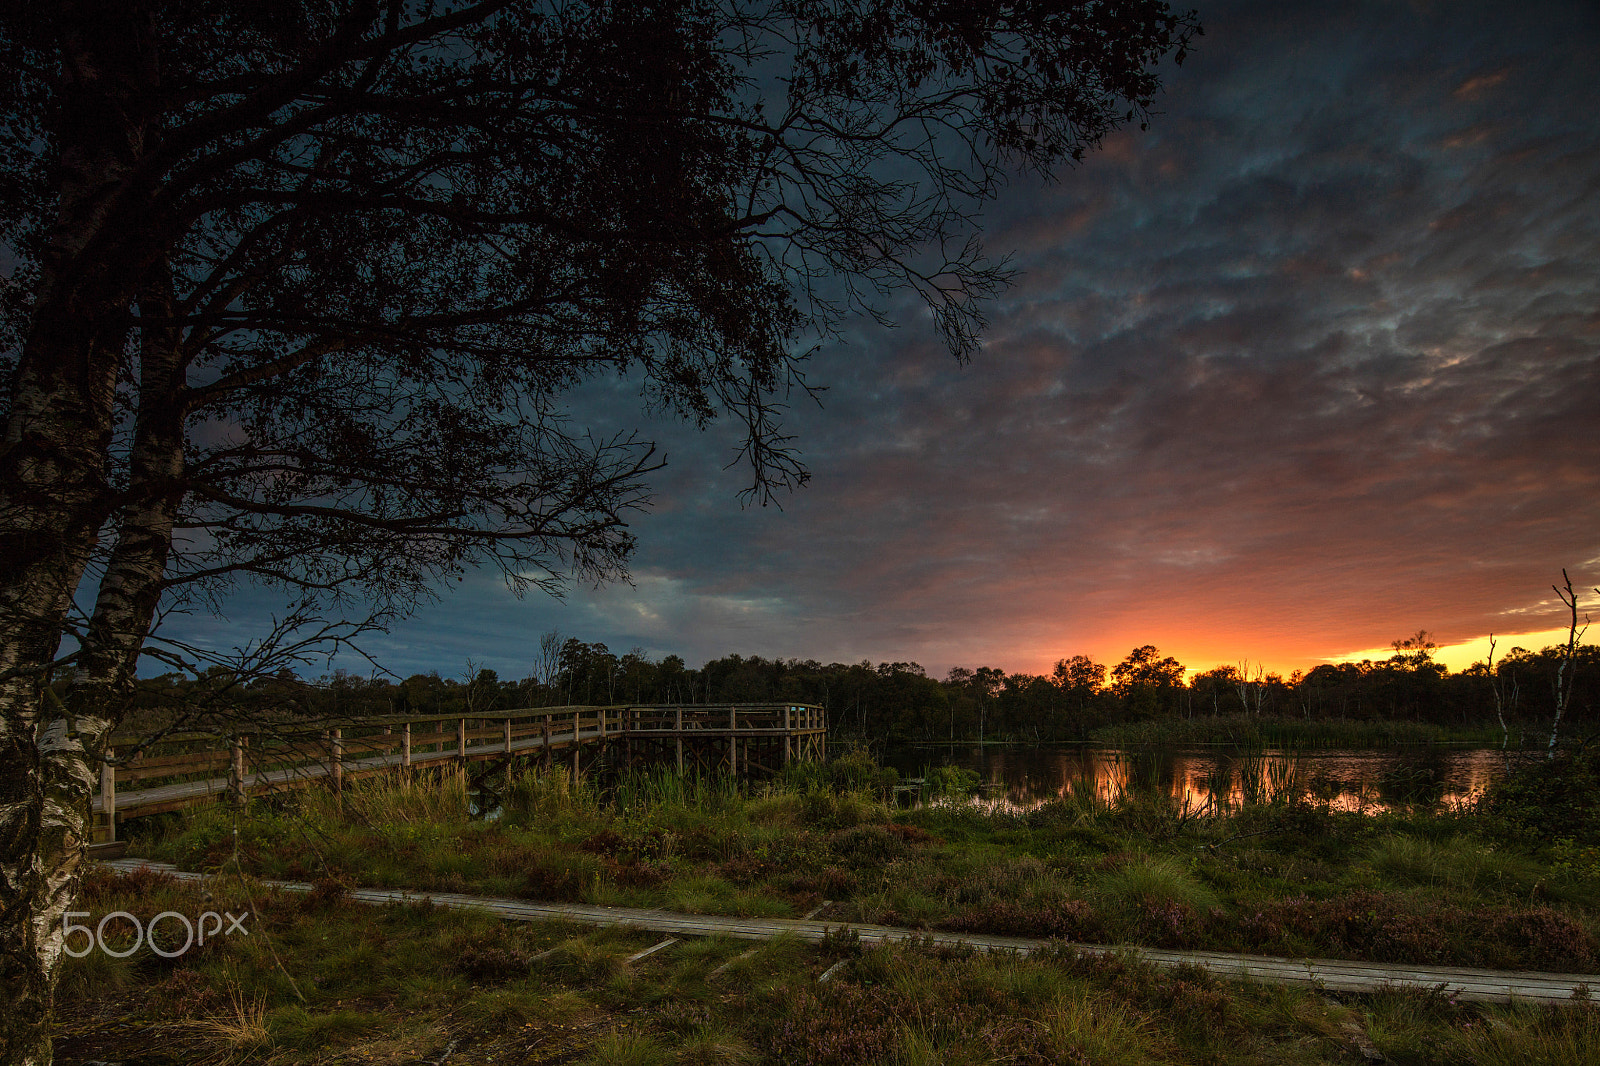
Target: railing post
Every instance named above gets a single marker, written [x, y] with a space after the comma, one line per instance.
[677, 727]
[461, 739]
[236, 785]
[508, 736]
[405, 745]
[788, 713]
[733, 741]
[108, 794]
[337, 739]
[544, 753]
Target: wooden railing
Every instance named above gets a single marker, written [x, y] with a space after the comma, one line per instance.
[180, 769]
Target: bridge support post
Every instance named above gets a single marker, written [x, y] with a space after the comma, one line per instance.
[108, 794]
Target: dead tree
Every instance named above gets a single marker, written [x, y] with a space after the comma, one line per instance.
[1566, 667]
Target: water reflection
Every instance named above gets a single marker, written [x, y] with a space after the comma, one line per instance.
[1367, 781]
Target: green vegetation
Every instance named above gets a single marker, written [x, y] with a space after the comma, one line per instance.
[321, 980]
[1465, 887]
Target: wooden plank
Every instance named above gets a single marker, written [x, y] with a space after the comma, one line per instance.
[720, 970]
[831, 970]
[649, 951]
[1465, 983]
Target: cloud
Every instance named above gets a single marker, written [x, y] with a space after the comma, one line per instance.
[1311, 365]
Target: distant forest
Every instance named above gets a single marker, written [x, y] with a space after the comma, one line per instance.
[899, 701]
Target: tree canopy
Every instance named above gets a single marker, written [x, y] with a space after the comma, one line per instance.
[294, 293]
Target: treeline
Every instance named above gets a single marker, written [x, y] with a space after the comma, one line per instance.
[899, 701]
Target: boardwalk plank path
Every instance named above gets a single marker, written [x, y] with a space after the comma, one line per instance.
[1328, 974]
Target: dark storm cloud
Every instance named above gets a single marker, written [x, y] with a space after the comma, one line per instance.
[1314, 362]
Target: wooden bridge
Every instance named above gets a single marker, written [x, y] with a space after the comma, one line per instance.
[180, 770]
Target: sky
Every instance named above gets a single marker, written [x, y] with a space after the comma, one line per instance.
[1310, 365]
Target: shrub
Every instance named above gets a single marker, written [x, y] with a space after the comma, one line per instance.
[1552, 797]
[1071, 919]
[1153, 883]
[867, 845]
[951, 781]
[828, 811]
[558, 875]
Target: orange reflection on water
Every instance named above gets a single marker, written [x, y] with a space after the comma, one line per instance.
[1360, 781]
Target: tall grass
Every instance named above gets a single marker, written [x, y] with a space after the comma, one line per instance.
[420, 798]
[530, 797]
[657, 788]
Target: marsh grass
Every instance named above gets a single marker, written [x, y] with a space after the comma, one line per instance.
[233, 1032]
[1154, 883]
[1268, 873]
[424, 797]
[628, 1049]
[1566, 1036]
[658, 788]
[1101, 1031]
[1457, 863]
[470, 988]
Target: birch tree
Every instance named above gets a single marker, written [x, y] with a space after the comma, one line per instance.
[1566, 672]
[295, 294]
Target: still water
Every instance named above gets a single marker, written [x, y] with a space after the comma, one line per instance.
[1370, 781]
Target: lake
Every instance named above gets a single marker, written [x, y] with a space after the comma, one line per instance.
[1371, 781]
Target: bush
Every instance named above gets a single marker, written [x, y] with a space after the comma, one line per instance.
[867, 845]
[951, 781]
[828, 811]
[1557, 797]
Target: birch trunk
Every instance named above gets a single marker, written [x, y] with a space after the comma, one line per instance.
[70, 745]
[55, 498]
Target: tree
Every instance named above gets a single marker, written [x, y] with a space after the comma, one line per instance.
[1216, 684]
[1080, 680]
[300, 288]
[1498, 689]
[1566, 671]
[1416, 649]
[1146, 681]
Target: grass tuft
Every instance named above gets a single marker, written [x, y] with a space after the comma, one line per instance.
[627, 1049]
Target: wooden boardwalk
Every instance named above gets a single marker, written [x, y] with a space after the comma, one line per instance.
[732, 737]
[1328, 974]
